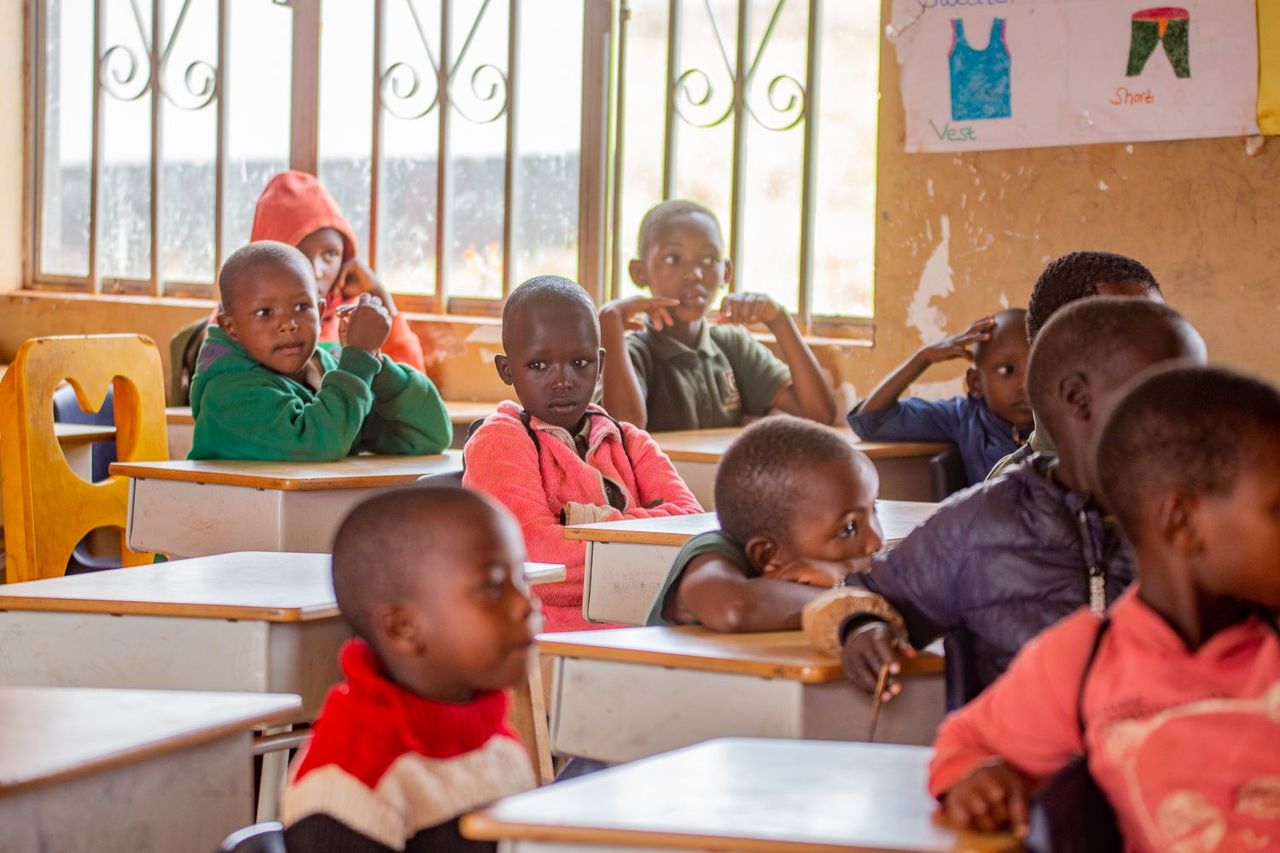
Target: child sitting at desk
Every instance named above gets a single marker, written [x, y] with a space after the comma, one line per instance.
[1002, 561]
[556, 459]
[986, 425]
[679, 371]
[430, 579]
[1075, 276]
[263, 390]
[796, 505]
[295, 208]
[1185, 664]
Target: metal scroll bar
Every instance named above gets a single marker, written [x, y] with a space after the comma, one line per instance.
[510, 186]
[738, 170]
[444, 170]
[809, 168]
[157, 146]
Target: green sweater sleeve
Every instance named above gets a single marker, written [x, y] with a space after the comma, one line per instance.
[257, 416]
[408, 416]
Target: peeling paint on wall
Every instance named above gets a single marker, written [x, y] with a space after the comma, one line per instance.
[935, 283]
[938, 390]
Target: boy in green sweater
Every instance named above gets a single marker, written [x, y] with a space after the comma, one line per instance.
[262, 390]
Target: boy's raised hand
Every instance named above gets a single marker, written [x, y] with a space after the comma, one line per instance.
[364, 325]
[957, 346]
[869, 648]
[994, 796]
[745, 309]
[629, 310]
[356, 277]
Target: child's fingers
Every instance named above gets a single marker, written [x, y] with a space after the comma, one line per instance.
[1019, 817]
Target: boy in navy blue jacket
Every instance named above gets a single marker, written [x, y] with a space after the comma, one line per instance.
[987, 424]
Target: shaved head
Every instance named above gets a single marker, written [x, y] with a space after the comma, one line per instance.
[397, 541]
[251, 264]
[1011, 322]
[543, 297]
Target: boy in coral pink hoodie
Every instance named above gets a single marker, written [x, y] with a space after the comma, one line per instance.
[1174, 697]
[295, 208]
[555, 458]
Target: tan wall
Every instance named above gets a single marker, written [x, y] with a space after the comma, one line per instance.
[958, 237]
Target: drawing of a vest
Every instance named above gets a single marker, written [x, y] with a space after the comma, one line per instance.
[1167, 25]
[979, 78]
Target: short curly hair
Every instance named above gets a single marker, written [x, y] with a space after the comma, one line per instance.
[661, 215]
[1189, 428]
[760, 484]
[554, 292]
[1078, 275]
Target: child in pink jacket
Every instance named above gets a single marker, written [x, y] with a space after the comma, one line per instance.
[556, 459]
[1174, 697]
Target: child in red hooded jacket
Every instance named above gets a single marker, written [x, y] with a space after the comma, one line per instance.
[295, 208]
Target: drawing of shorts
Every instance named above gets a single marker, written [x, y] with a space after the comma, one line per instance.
[1167, 25]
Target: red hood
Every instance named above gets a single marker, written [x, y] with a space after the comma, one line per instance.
[296, 204]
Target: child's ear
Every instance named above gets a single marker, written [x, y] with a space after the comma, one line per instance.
[972, 385]
[226, 324]
[1175, 518]
[396, 630]
[1073, 391]
[503, 365]
[600, 354]
[638, 272]
[321, 304]
[728, 271]
[762, 551]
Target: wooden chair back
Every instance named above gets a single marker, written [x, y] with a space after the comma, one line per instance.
[47, 507]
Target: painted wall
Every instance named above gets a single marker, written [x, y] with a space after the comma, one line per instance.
[958, 237]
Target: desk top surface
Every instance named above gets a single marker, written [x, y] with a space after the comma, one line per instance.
[76, 435]
[354, 472]
[897, 519]
[784, 655]
[461, 412]
[744, 795]
[261, 585]
[51, 734]
[708, 445]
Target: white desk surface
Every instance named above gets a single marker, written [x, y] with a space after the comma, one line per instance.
[51, 734]
[897, 519]
[708, 445]
[354, 472]
[742, 795]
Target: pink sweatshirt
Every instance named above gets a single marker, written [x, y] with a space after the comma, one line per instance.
[501, 460]
[1185, 744]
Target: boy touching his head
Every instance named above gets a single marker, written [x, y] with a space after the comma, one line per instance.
[431, 581]
[264, 390]
[1185, 664]
[679, 371]
[554, 458]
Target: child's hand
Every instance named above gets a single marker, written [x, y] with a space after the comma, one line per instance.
[992, 797]
[869, 648]
[823, 573]
[628, 312]
[356, 278]
[744, 309]
[957, 346]
[364, 325]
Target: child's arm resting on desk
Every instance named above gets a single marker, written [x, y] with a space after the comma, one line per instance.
[1021, 730]
[408, 415]
[252, 417]
[660, 491]
[716, 592]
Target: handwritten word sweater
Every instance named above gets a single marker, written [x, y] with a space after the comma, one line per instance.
[1185, 744]
[537, 481]
[387, 770]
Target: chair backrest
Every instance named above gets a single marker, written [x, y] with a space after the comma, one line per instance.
[947, 474]
[961, 673]
[259, 838]
[184, 347]
[47, 507]
[1070, 814]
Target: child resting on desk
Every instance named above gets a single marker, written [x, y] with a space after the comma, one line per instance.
[1173, 697]
[263, 390]
[1000, 562]
[989, 423]
[796, 505]
[1075, 276]
[431, 581]
[555, 458]
[295, 208]
[681, 372]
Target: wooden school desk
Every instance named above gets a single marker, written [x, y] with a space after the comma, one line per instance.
[627, 561]
[903, 466]
[191, 509]
[632, 692]
[740, 795]
[127, 769]
[181, 429]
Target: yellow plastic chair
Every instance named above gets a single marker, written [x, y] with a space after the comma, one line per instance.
[47, 508]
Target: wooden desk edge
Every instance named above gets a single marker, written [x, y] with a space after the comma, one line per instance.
[873, 450]
[484, 826]
[232, 612]
[626, 537]
[206, 734]
[283, 484]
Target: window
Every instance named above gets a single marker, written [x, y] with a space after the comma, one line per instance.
[471, 143]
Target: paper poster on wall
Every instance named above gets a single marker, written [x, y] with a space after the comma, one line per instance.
[982, 74]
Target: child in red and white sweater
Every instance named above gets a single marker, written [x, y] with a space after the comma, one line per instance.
[557, 459]
[1173, 697]
[431, 580]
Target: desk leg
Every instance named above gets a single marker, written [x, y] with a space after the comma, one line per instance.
[275, 769]
[528, 716]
